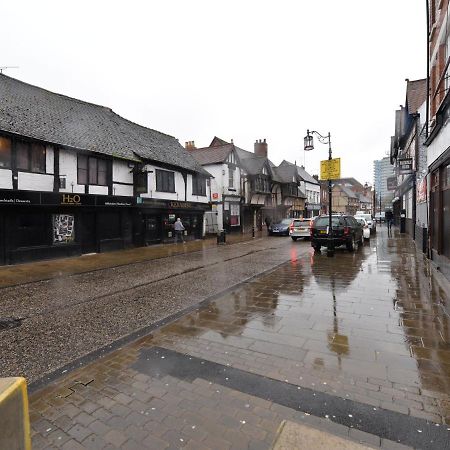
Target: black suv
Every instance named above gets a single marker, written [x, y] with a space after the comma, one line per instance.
[346, 231]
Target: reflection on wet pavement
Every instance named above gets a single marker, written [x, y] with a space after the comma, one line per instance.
[369, 326]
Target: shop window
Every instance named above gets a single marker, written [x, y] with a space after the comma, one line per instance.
[63, 228]
[5, 153]
[198, 185]
[165, 181]
[32, 229]
[91, 170]
[31, 157]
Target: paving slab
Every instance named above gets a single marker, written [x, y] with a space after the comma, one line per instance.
[301, 437]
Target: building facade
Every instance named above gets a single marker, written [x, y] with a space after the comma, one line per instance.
[383, 174]
[77, 178]
[438, 133]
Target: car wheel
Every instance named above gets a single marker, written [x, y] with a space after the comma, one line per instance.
[351, 245]
[293, 238]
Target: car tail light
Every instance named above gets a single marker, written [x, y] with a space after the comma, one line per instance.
[346, 230]
[291, 227]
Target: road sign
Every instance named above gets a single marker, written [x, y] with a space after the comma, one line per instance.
[330, 169]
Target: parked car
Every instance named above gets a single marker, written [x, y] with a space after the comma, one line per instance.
[280, 228]
[346, 231]
[369, 220]
[365, 225]
[299, 228]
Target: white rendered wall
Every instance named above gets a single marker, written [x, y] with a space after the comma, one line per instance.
[99, 190]
[123, 189]
[121, 172]
[217, 182]
[5, 179]
[440, 143]
[68, 170]
[35, 181]
[49, 159]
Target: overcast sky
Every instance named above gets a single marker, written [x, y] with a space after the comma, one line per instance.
[238, 69]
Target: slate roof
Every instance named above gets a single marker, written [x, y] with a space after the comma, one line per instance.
[362, 198]
[252, 164]
[212, 155]
[304, 175]
[34, 112]
[286, 174]
[416, 93]
[347, 191]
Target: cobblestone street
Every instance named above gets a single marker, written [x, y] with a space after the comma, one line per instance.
[357, 345]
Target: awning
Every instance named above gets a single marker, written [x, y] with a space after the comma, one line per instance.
[407, 184]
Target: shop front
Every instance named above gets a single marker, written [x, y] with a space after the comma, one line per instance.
[232, 213]
[157, 219]
[43, 225]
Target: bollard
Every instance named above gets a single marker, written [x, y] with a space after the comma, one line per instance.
[253, 231]
[14, 418]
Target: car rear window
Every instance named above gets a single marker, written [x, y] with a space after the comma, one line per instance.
[301, 222]
[324, 221]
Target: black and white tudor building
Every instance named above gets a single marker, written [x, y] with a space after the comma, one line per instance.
[77, 178]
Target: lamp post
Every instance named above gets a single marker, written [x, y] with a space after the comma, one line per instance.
[308, 146]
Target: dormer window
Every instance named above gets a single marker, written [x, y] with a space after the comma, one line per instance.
[264, 171]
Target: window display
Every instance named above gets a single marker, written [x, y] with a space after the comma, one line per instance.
[63, 228]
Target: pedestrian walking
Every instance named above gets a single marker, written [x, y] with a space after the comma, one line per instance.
[389, 221]
[179, 228]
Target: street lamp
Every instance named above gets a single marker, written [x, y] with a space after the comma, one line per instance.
[308, 146]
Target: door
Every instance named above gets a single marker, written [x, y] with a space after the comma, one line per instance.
[2, 240]
[152, 225]
[88, 233]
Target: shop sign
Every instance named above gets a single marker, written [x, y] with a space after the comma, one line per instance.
[405, 166]
[19, 198]
[70, 199]
[421, 191]
[215, 195]
[391, 183]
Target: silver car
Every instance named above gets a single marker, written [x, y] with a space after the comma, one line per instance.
[300, 228]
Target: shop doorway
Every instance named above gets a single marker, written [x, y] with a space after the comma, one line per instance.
[152, 233]
[2, 241]
[88, 233]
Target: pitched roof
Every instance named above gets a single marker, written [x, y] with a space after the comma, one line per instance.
[286, 174]
[347, 191]
[217, 142]
[212, 155]
[304, 175]
[252, 163]
[362, 198]
[34, 112]
[416, 92]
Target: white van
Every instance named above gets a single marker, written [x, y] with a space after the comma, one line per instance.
[369, 220]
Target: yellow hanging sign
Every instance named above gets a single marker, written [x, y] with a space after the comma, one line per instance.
[330, 169]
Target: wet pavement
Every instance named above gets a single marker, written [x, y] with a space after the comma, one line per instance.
[357, 345]
[56, 268]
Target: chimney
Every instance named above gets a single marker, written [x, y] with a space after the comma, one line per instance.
[190, 145]
[261, 148]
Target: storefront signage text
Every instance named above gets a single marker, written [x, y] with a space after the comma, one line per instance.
[70, 199]
[405, 166]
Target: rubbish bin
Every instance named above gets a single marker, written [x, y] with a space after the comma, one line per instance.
[403, 221]
[221, 237]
